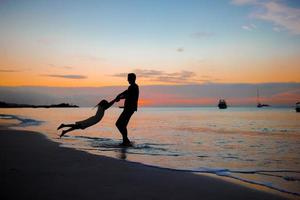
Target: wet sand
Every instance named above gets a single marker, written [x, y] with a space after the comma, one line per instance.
[33, 167]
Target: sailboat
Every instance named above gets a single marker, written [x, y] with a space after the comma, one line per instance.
[259, 105]
[222, 104]
[297, 107]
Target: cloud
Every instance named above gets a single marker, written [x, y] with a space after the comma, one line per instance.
[8, 70]
[142, 73]
[249, 27]
[182, 77]
[180, 49]
[281, 15]
[276, 29]
[146, 73]
[65, 67]
[202, 34]
[68, 76]
[276, 12]
[243, 2]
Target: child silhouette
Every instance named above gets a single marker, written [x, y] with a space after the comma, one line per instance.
[102, 106]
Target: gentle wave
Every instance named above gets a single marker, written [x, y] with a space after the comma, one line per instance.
[107, 144]
[229, 173]
[24, 122]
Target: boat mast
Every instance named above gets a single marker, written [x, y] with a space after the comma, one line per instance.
[257, 96]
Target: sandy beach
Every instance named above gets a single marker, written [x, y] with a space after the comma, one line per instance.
[33, 167]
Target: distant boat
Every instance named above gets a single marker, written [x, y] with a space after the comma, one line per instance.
[259, 105]
[222, 104]
[298, 106]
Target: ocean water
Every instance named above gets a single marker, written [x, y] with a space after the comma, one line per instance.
[256, 146]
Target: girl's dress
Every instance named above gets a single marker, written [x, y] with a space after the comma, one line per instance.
[91, 120]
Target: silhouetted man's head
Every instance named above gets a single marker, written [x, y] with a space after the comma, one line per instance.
[131, 78]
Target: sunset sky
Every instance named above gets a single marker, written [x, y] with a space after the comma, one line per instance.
[96, 43]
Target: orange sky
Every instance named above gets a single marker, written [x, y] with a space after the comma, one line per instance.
[220, 70]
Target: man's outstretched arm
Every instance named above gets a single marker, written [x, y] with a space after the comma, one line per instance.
[122, 95]
[111, 103]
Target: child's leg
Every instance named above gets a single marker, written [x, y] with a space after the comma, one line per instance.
[68, 130]
[66, 125]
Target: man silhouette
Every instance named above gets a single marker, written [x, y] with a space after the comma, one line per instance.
[131, 96]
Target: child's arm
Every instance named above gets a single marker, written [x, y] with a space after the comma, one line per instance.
[111, 103]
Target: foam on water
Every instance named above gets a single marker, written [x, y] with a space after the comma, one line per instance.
[24, 122]
[107, 144]
[231, 174]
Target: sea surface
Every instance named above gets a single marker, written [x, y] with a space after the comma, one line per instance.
[260, 146]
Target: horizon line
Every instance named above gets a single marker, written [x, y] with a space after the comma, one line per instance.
[205, 83]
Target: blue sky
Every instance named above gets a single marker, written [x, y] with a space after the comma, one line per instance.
[134, 25]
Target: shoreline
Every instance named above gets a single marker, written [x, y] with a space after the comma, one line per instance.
[36, 167]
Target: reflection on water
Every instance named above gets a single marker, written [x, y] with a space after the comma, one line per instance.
[123, 153]
[260, 146]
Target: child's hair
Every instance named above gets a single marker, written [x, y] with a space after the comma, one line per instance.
[103, 103]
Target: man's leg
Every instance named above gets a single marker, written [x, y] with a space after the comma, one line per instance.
[122, 125]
